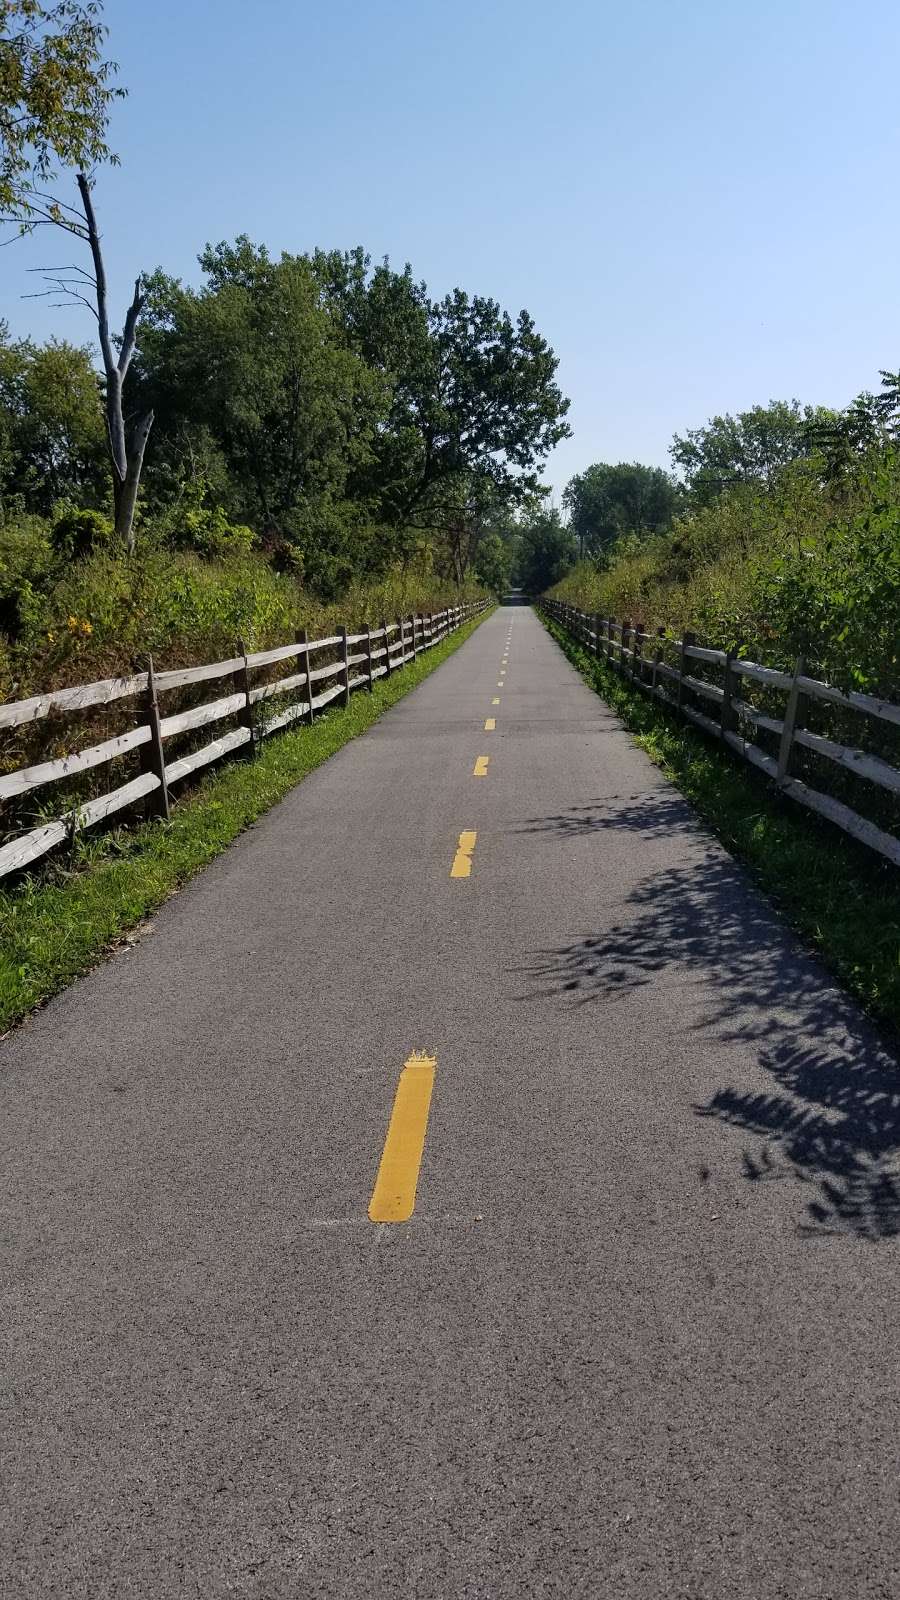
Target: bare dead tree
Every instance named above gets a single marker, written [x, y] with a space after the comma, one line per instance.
[127, 436]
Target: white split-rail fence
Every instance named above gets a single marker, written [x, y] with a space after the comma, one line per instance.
[383, 651]
[638, 656]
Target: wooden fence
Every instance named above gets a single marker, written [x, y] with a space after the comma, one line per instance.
[328, 670]
[731, 717]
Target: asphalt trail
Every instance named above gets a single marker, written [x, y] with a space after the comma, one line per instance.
[639, 1337]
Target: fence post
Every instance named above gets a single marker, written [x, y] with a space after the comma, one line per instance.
[728, 720]
[686, 639]
[415, 651]
[345, 649]
[303, 639]
[626, 630]
[153, 758]
[241, 681]
[387, 649]
[657, 657]
[637, 664]
[597, 635]
[790, 719]
[371, 683]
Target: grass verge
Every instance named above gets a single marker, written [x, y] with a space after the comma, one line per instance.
[841, 898]
[54, 927]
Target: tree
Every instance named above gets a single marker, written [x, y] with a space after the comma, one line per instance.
[55, 96]
[841, 440]
[474, 407]
[604, 502]
[126, 434]
[494, 560]
[258, 360]
[750, 447]
[546, 551]
[357, 419]
[52, 442]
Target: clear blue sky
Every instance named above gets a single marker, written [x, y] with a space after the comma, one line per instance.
[697, 201]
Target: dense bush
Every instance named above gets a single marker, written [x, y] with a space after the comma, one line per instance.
[103, 614]
[794, 567]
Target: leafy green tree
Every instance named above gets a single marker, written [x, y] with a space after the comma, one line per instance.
[259, 362]
[486, 404]
[356, 418]
[547, 551]
[472, 393]
[841, 440]
[604, 502]
[55, 96]
[750, 447]
[494, 562]
[52, 439]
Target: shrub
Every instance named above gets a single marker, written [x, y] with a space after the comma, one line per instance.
[76, 533]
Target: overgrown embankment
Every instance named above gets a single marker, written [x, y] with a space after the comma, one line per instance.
[71, 619]
[798, 567]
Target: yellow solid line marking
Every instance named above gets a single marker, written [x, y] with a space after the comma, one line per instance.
[480, 768]
[496, 699]
[394, 1195]
[462, 861]
[490, 724]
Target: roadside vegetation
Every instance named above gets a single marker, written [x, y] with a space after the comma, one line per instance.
[779, 535]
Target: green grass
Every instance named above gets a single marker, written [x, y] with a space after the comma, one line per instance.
[54, 927]
[842, 899]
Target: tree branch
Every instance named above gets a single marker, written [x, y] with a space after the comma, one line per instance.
[129, 335]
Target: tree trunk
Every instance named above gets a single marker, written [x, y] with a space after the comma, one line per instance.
[125, 494]
[126, 453]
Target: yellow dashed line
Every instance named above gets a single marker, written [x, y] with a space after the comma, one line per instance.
[496, 699]
[480, 768]
[490, 724]
[394, 1195]
[462, 861]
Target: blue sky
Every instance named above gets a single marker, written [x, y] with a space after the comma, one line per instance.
[697, 202]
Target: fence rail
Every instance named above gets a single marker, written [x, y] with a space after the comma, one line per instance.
[730, 717]
[385, 650]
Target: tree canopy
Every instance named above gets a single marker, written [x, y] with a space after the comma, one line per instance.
[604, 502]
[547, 551]
[341, 410]
[52, 441]
[751, 447]
[55, 96]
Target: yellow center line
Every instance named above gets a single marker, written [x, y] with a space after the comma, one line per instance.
[490, 724]
[462, 861]
[394, 1195]
[496, 699]
[480, 768]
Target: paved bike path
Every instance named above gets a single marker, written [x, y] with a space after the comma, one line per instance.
[638, 1338]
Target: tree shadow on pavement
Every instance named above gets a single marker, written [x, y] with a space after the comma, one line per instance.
[655, 813]
[830, 1115]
